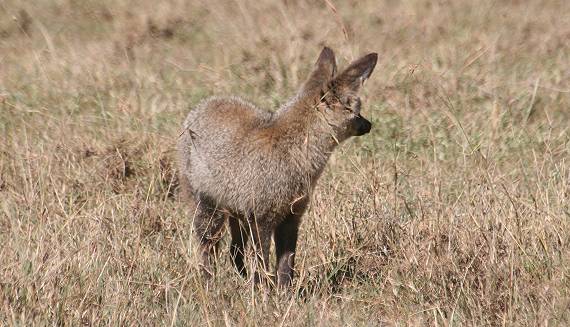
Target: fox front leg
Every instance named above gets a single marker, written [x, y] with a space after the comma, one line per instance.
[285, 244]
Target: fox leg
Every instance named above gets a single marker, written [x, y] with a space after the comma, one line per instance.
[208, 228]
[261, 236]
[237, 247]
[285, 243]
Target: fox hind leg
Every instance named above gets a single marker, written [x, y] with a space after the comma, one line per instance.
[261, 236]
[237, 247]
[242, 230]
[208, 228]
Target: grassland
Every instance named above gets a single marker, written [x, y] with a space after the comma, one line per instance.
[453, 211]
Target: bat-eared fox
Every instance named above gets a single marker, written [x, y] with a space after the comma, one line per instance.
[257, 168]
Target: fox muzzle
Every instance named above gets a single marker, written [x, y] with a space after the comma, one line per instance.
[361, 126]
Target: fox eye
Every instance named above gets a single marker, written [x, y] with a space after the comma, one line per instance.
[351, 104]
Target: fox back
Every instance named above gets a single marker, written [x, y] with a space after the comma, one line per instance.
[259, 166]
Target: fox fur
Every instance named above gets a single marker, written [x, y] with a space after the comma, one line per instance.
[258, 168]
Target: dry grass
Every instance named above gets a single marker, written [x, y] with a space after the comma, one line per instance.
[453, 211]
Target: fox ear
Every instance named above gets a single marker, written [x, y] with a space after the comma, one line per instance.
[324, 71]
[357, 73]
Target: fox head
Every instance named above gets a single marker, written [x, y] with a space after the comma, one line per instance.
[337, 94]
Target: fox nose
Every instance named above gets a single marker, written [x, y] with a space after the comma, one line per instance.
[362, 126]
